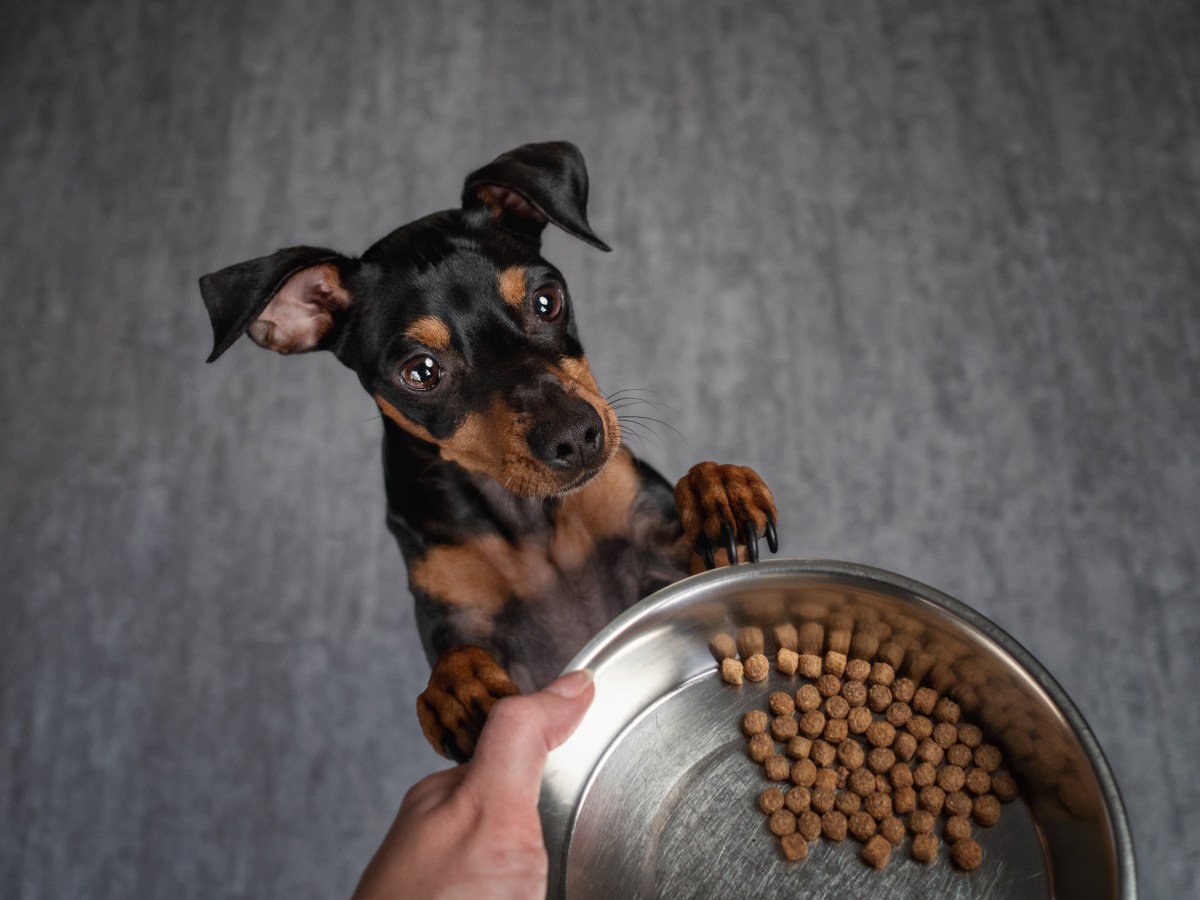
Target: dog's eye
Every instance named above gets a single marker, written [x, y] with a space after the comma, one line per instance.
[421, 373]
[548, 302]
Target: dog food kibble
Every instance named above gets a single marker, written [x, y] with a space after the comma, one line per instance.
[756, 667]
[905, 746]
[755, 722]
[749, 642]
[924, 774]
[928, 751]
[924, 700]
[904, 800]
[808, 823]
[807, 698]
[835, 663]
[822, 799]
[880, 759]
[903, 689]
[782, 822]
[951, 778]
[933, 799]
[946, 710]
[797, 799]
[836, 731]
[799, 747]
[837, 707]
[777, 767]
[987, 758]
[970, 735]
[986, 810]
[959, 803]
[956, 828]
[833, 825]
[978, 781]
[921, 821]
[858, 719]
[811, 637]
[781, 703]
[847, 803]
[966, 854]
[1004, 786]
[878, 805]
[770, 800]
[851, 755]
[787, 661]
[900, 775]
[861, 825]
[854, 693]
[924, 847]
[919, 727]
[892, 829]
[731, 671]
[898, 714]
[828, 685]
[944, 735]
[803, 772]
[812, 723]
[880, 734]
[809, 665]
[959, 755]
[786, 638]
[824, 754]
[876, 851]
[857, 670]
[783, 728]
[879, 697]
[761, 746]
[882, 673]
[826, 780]
[861, 782]
[722, 646]
[794, 846]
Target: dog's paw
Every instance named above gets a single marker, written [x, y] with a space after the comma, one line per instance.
[463, 687]
[724, 508]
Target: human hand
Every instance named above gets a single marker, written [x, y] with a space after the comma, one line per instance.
[474, 831]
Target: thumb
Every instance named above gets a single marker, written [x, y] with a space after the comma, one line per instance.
[519, 734]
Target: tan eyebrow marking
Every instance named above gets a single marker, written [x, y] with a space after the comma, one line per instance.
[512, 286]
[430, 331]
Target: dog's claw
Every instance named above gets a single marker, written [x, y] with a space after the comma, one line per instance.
[730, 542]
[704, 548]
[772, 535]
[722, 505]
[751, 542]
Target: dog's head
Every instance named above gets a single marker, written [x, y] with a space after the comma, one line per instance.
[455, 324]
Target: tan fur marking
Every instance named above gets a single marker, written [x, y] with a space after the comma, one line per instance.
[483, 573]
[512, 286]
[430, 331]
[598, 510]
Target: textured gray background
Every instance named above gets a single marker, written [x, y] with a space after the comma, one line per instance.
[932, 268]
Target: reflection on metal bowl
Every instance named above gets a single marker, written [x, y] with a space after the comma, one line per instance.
[654, 795]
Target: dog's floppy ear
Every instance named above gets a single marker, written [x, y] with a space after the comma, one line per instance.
[291, 301]
[531, 185]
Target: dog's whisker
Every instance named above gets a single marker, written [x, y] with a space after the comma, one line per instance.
[644, 419]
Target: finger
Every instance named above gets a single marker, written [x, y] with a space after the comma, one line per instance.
[521, 731]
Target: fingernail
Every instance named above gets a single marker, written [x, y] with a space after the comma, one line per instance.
[572, 684]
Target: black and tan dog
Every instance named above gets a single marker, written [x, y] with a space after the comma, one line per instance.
[525, 523]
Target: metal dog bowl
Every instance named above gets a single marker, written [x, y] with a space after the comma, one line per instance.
[655, 796]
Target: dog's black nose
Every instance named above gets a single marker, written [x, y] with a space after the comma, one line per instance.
[570, 442]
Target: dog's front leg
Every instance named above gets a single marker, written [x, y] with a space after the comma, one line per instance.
[725, 510]
[464, 685]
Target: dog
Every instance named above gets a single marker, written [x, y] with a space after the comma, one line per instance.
[524, 521]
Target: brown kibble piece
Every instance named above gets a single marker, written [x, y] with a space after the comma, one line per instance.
[770, 800]
[781, 703]
[928, 751]
[783, 728]
[959, 755]
[904, 800]
[900, 775]
[946, 710]
[722, 647]
[903, 689]
[978, 781]
[761, 746]
[822, 800]
[857, 670]
[987, 758]
[851, 755]
[812, 723]
[836, 730]
[854, 693]
[892, 829]
[951, 778]
[970, 735]
[824, 754]
[787, 661]
[878, 805]
[959, 803]
[863, 645]
[986, 810]
[797, 799]
[835, 663]
[879, 697]
[861, 825]
[881, 759]
[925, 847]
[803, 772]
[811, 637]
[861, 782]
[858, 720]
[731, 671]
[777, 767]
[757, 667]
[808, 823]
[1004, 786]
[837, 707]
[933, 799]
[833, 825]
[956, 828]
[782, 822]
[799, 747]
[892, 653]
[809, 665]
[924, 774]
[755, 722]
[921, 821]
[876, 851]
[826, 780]
[945, 735]
[919, 727]
[829, 685]
[898, 714]
[966, 854]
[882, 784]
[838, 640]
[794, 847]
[847, 802]
[882, 673]
[749, 642]
[905, 746]
[786, 638]
[880, 734]
[807, 698]
[924, 700]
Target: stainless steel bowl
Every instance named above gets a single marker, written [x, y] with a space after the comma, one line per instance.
[654, 795]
